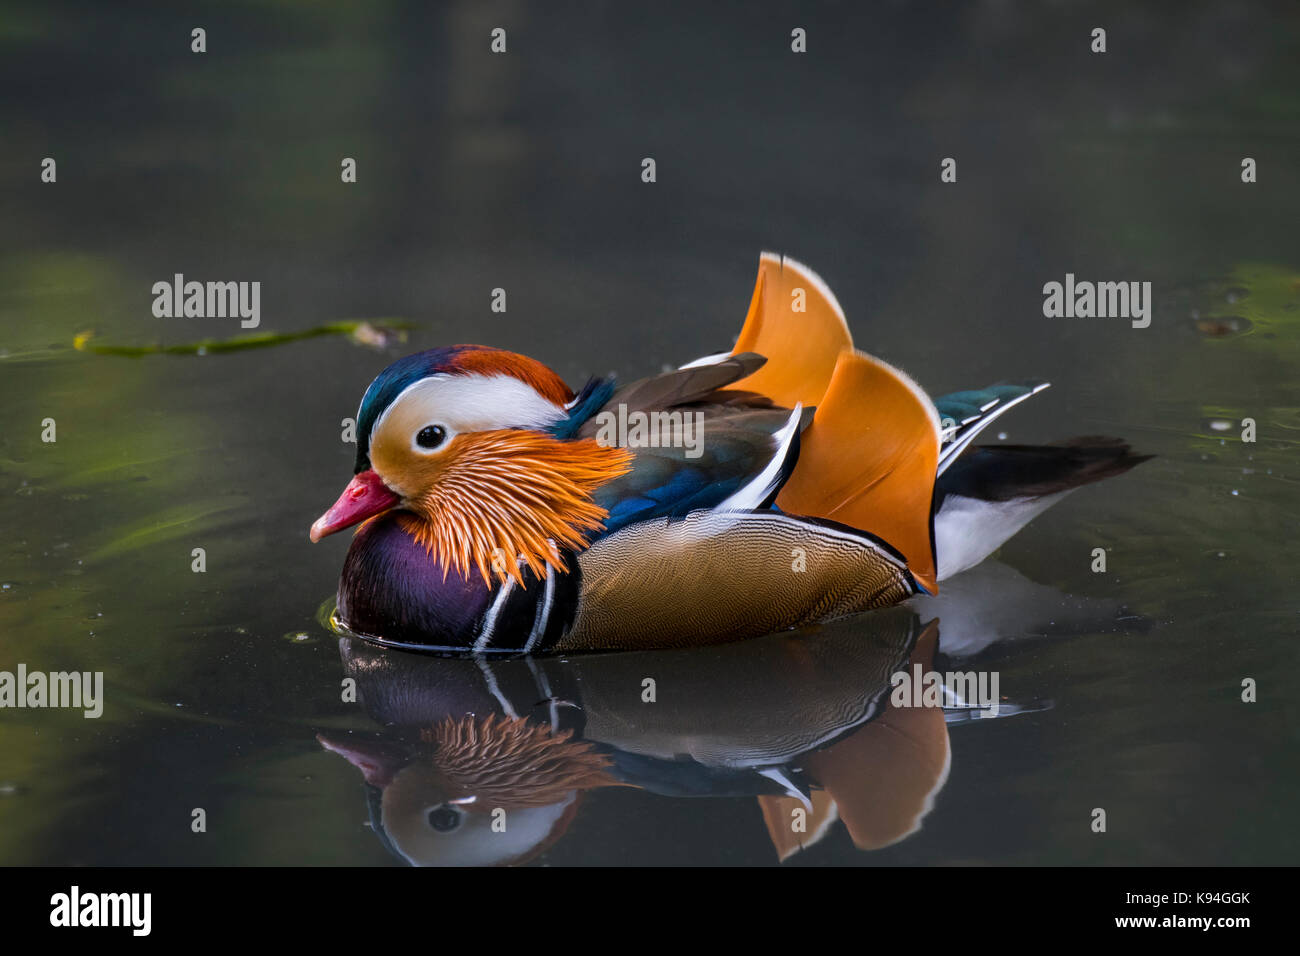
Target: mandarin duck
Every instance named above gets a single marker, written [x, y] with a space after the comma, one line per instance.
[500, 511]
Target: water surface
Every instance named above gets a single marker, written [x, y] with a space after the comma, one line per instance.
[523, 172]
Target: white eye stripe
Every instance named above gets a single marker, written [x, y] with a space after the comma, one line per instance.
[468, 403]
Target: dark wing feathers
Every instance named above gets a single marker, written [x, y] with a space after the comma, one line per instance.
[733, 443]
[737, 444]
[661, 392]
[687, 384]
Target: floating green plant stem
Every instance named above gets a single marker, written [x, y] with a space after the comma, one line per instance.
[374, 333]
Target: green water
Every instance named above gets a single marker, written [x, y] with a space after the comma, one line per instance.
[522, 172]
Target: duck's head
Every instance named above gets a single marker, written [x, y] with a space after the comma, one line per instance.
[465, 443]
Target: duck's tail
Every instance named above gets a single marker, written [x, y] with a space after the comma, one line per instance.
[992, 491]
[882, 457]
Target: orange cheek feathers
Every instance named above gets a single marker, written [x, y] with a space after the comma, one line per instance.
[491, 499]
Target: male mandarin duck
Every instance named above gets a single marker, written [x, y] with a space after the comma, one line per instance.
[499, 513]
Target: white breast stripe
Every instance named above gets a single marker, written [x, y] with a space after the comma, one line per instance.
[543, 611]
[490, 618]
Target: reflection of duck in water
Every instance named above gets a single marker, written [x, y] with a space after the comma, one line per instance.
[476, 791]
[505, 512]
[487, 761]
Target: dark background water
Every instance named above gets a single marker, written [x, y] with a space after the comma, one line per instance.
[522, 171]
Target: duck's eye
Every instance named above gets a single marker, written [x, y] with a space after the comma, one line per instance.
[431, 436]
[444, 819]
